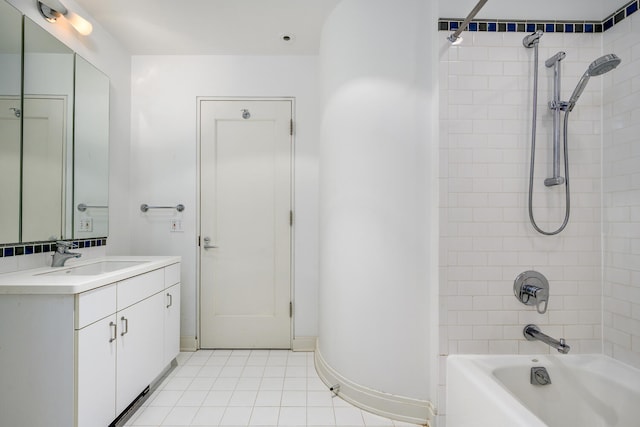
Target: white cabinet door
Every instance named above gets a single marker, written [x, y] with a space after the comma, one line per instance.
[96, 373]
[171, 323]
[140, 348]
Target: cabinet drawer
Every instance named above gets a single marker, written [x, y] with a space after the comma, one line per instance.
[171, 275]
[94, 305]
[137, 288]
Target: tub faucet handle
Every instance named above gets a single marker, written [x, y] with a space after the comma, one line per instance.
[532, 288]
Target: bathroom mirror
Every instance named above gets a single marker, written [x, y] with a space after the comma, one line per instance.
[46, 135]
[90, 152]
[54, 137]
[10, 113]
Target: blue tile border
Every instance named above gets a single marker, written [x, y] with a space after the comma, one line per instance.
[17, 249]
[551, 26]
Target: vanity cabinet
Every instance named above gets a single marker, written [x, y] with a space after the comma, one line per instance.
[82, 359]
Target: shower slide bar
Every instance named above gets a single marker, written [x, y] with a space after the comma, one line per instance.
[456, 35]
[145, 207]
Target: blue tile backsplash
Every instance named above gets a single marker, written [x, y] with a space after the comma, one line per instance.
[509, 25]
[16, 249]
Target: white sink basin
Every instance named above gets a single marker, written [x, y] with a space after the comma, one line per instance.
[93, 269]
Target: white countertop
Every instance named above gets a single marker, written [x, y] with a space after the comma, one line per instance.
[36, 281]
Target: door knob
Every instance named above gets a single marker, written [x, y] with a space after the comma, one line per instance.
[207, 240]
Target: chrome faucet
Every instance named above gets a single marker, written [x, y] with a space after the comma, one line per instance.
[533, 333]
[62, 254]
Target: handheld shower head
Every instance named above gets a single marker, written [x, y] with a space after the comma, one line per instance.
[600, 66]
[604, 64]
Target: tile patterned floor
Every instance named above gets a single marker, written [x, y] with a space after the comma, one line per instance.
[249, 388]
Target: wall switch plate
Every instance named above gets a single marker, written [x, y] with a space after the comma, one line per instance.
[85, 224]
[175, 225]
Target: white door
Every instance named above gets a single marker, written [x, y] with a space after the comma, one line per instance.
[245, 223]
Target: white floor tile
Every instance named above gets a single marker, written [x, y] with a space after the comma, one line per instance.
[292, 416]
[236, 416]
[265, 416]
[322, 416]
[208, 416]
[372, 420]
[200, 384]
[180, 416]
[177, 383]
[348, 416]
[165, 398]
[192, 398]
[294, 398]
[272, 384]
[243, 398]
[209, 371]
[248, 383]
[152, 416]
[217, 398]
[225, 384]
[269, 398]
[256, 388]
[319, 398]
[293, 384]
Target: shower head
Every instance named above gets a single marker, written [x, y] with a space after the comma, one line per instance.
[603, 64]
[599, 66]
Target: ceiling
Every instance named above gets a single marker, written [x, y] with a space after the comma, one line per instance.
[256, 27]
[212, 27]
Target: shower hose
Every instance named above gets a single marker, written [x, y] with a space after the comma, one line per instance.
[533, 155]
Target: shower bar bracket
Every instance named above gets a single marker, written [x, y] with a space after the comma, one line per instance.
[145, 207]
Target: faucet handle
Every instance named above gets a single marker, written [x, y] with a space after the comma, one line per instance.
[532, 288]
[62, 246]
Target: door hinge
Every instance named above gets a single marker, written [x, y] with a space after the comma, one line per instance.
[290, 308]
[290, 218]
[291, 127]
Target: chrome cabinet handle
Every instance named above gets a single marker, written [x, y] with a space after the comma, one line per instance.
[125, 326]
[170, 300]
[114, 331]
[207, 240]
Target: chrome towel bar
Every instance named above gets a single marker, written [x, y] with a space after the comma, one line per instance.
[83, 207]
[145, 207]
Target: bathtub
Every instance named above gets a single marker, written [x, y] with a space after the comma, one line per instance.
[585, 391]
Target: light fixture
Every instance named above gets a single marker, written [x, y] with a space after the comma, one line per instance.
[51, 10]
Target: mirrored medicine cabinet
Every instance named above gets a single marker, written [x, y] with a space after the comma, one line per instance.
[54, 137]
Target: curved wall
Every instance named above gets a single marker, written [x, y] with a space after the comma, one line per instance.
[376, 171]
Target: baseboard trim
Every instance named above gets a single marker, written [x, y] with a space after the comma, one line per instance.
[188, 343]
[386, 405]
[304, 344]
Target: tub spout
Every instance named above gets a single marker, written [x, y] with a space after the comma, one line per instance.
[533, 333]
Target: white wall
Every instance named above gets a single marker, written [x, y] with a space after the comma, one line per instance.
[621, 188]
[374, 214]
[164, 152]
